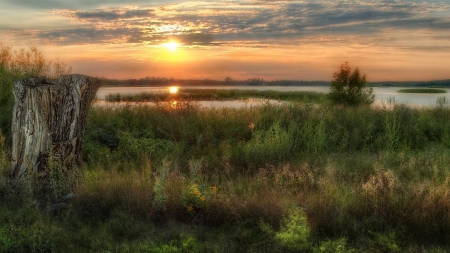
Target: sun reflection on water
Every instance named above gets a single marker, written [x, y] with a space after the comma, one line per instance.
[173, 89]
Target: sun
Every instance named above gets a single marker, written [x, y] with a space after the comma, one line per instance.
[173, 89]
[172, 46]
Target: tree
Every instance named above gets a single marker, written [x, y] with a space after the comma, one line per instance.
[15, 65]
[349, 88]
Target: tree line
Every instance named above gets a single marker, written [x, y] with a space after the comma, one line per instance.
[162, 81]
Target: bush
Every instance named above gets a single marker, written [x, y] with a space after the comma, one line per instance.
[347, 88]
[294, 232]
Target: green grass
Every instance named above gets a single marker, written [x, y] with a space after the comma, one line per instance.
[285, 178]
[421, 90]
[215, 94]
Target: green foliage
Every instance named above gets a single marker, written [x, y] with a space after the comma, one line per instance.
[159, 201]
[348, 88]
[391, 137]
[333, 246]
[187, 245]
[197, 194]
[294, 232]
[61, 181]
[379, 178]
[269, 146]
[15, 65]
[313, 135]
[386, 242]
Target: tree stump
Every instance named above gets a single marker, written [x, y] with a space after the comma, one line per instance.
[47, 129]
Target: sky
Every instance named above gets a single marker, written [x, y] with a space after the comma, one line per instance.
[241, 39]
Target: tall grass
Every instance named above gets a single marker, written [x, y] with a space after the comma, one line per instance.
[274, 179]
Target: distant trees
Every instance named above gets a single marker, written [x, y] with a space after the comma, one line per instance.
[162, 81]
[349, 88]
[228, 80]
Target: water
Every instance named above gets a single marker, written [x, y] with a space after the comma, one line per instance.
[383, 95]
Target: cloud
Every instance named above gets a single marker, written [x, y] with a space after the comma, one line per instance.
[197, 39]
[113, 15]
[79, 4]
[90, 35]
[240, 22]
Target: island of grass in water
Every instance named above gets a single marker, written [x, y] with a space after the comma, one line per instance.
[422, 90]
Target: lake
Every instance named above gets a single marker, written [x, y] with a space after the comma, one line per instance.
[382, 94]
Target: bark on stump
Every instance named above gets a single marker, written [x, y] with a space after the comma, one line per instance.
[47, 129]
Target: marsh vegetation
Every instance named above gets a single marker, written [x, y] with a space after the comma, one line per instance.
[292, 177]
[185, 94]
[422, 90]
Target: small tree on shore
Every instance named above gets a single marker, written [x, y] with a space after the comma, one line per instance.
[349, 88]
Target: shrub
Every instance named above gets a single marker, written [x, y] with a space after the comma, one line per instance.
[347, 88]
[15, 65]
[294, 233]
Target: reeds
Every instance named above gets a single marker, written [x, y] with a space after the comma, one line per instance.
[216, 94]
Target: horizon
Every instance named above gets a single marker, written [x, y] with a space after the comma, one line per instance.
[279, 80]
[389, 41]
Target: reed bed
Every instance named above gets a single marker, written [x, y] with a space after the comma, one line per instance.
[422, 90]
[216, 94]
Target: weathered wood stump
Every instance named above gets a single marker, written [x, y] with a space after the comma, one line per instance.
[47, 129]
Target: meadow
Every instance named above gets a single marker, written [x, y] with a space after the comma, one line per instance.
[297, 177]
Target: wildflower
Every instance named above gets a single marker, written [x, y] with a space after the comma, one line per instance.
[190, 208]
[196, 192]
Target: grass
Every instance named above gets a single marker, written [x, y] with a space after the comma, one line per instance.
[216, 94]
[422, 90]
[285, 178]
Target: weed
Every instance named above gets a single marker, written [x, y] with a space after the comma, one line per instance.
[333, 246]
[159, 189]
[271, 146]
[294, 232]
[392, 131]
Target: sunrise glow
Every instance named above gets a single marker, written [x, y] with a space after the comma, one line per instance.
[299, 40]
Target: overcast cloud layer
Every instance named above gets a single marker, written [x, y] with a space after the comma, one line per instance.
[216, 24]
